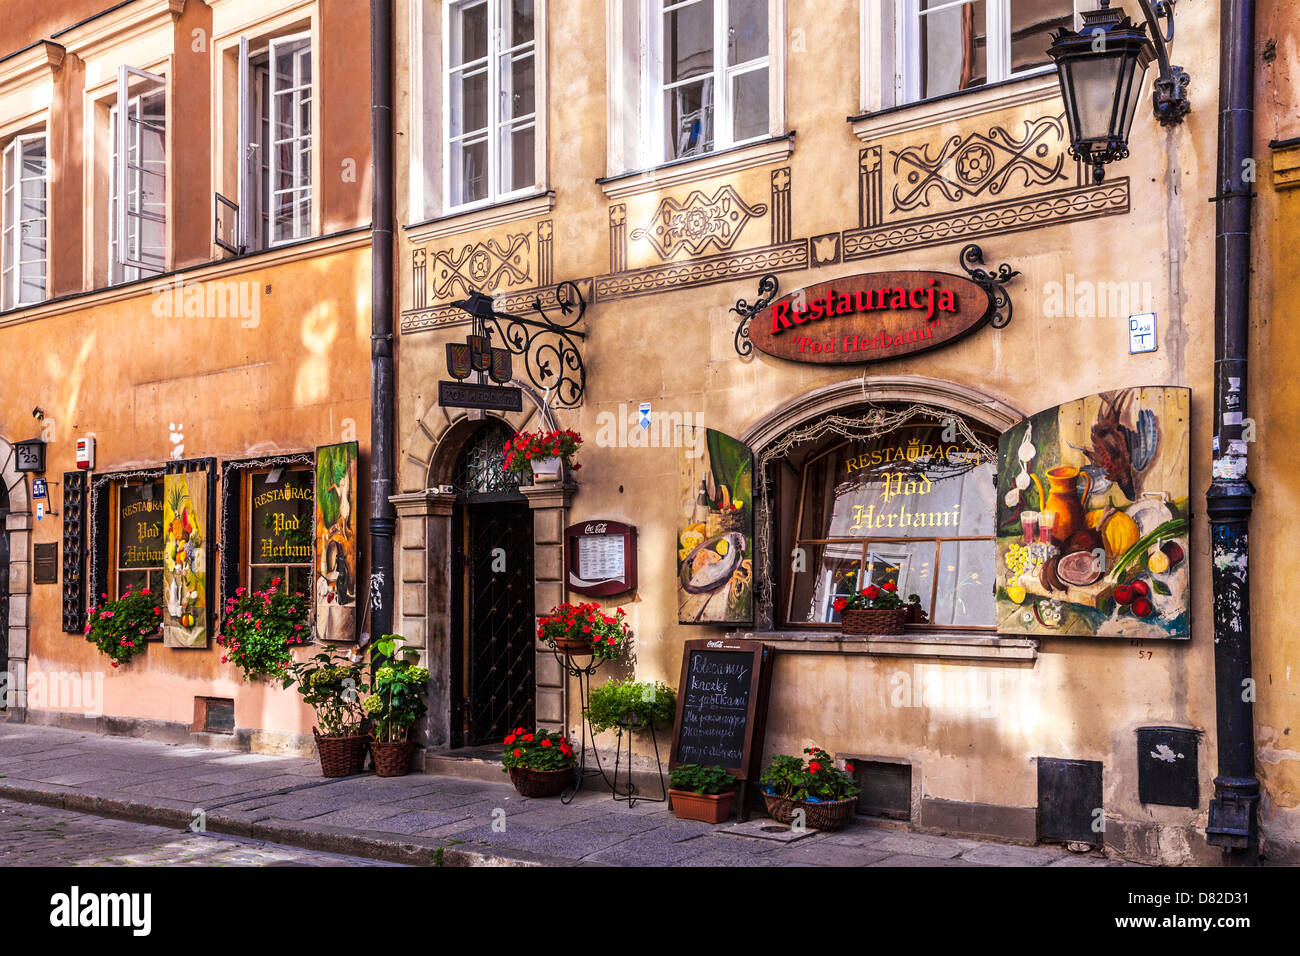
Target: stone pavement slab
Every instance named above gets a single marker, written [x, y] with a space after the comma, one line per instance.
[419, 818]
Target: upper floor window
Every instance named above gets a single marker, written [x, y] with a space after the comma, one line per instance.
[137, 245]
[491, 100]
[711, 74]
[944, 46]
[23, 231]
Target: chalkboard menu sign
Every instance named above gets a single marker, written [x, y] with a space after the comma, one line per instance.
[722, 708]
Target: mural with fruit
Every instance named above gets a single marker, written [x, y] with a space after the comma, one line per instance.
[1093, 517]
[185, 505]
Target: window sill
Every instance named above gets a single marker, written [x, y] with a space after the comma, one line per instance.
[945, 645]
[510, 210]
[952, 107]
[762, 153]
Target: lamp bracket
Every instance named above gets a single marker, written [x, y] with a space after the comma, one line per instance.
[1169, 99]
[767, 289]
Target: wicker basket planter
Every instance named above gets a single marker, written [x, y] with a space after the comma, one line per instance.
[540, 783]
[874, 621]
[826, 815]
[392, 759]
[705, 807]
[341, 756]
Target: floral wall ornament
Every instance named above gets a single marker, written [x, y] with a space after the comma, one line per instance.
[698, 222]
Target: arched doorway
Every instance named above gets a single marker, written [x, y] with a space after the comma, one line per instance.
[493, 651]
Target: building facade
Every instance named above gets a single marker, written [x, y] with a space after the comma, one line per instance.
[649, 163]
[208, 320]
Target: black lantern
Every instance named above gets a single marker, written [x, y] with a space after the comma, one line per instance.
[1101, 69]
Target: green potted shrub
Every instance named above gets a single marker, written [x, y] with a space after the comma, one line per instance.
[395, 704]
[701, 793]
[540, 764]
[826, 794]
[332, 684]
[630, 704]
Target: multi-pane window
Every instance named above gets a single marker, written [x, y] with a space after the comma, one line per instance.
[951, 45]
[491, 128]
[23, 173]
[138, 194]
[138, 544]
[910, 508]
[713, 60]
[280, 521]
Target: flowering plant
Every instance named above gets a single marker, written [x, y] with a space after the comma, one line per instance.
[258, 628]
[331, 684]
[397, 699]
[607, 634]
[120, 628]
[526, 446]
[539, 751]
[872, 598]
[819, 779]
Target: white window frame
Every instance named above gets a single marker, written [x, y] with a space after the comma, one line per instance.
[12, 221]
[296, 93]
[126, 220]
[498, 121]
[891, 49]
[722, 74]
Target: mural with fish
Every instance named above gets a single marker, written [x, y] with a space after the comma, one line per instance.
[1093, 517]
[715, 532]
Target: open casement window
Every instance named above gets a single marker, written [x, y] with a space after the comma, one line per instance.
[23, 221]
[490, 101]
[138, 197]
[137, 536]
[908, 508]
[279, 516]
[943, 46]
[711, 74]
[273, 203]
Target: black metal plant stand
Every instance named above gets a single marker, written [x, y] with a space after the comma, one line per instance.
[582, 672]
[630, 793]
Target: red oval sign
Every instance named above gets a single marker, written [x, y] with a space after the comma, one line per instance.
[871, 317]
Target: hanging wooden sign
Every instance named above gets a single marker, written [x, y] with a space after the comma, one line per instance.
[335, 587]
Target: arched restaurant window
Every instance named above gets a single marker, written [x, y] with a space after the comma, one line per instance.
[913, 506]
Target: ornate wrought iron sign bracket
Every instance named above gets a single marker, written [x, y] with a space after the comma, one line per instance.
[767, 290]
[552, 358]
[972, 260]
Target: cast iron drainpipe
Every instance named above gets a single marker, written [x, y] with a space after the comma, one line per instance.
[381, 519]
[1233, 823]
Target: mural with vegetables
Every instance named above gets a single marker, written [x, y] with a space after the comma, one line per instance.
[1093, 517]
[715, 534]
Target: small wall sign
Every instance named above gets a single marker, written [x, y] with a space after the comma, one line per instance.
[600, 558]
[1142, 333]
[29, 456]
[45, 563]
[39, 488]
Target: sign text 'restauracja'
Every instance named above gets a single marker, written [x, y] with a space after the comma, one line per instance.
[924, 298]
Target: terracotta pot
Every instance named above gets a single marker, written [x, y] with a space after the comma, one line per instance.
[705, 807]
[541, 783]
[874, 621]
[392, 759]
[572, 645]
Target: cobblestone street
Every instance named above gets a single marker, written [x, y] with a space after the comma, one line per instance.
[47, 836]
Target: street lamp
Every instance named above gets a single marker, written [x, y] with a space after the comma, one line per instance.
[1101, 69]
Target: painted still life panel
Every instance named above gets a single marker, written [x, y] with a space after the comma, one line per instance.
[335, 586]
[1093, 518]
[185, 548]
[715, 533]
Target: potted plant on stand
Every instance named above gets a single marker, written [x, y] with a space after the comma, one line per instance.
[630, 704]
[586, 629]
[542, 454]
[331, 684]
[701, 793]
[873, 610]
[826, 794]
[540, 764]
[396, 703]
